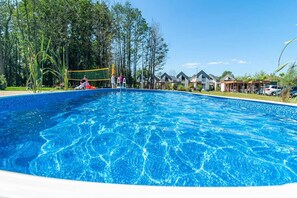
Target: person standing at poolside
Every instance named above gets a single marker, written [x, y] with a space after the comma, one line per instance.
[112, 80]
[121, 80]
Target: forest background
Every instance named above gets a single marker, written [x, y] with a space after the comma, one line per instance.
[40, 39]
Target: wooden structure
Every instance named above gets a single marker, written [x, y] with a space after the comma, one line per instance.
[256, 86]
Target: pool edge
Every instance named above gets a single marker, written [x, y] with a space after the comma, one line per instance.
[149, 90]
[21, 185]
[248, 99]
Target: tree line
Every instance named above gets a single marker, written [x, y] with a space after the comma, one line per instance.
[39, 39]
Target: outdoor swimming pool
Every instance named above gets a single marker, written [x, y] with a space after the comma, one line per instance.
[149, 138]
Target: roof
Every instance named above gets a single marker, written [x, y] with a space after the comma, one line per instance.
[165, 75]
[147, 79]
[182, 74]
[157, 78]
[215, 78]
[206, 75]
[171, 78]
[138, 79]
[193, 79]
[228, 77]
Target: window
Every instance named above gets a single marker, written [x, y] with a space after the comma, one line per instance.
[203, 78]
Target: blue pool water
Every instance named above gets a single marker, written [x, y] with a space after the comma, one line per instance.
[149, 138]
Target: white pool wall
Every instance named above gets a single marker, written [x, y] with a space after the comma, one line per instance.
[16, 185]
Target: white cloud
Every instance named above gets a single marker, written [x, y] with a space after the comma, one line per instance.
[218, 63]
[242, 62]
[239, 61]
[195, 65]
[191, 65]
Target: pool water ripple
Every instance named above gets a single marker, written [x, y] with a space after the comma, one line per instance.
[154, 138]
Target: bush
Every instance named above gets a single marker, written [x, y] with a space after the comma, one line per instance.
[218, 88]
[174, 87]
[199, 88]
[190, 88]
[168, 86]
[158, 86]
[285, 95]
[181, 88]
[3, 82]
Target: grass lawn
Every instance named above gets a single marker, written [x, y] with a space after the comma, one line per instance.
[248, 96]
[24, 89]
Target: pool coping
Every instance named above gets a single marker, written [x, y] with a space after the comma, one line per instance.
[21, 185]
[248, 99]
[19, 93]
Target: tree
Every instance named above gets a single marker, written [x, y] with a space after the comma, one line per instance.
[130, 39]
[82, 34]
[7, 42]
[138, 35]
[2, 16]
[261, 76]
[245, 78]
[121, 27]
[102, 24]
[156, 52]
[226, 73]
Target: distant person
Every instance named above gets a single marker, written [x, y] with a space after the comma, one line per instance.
[83, 83]
[124, 82]
[121, 80]
[112, 80]
[84, 79]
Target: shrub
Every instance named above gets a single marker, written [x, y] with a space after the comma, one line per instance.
[3, 82]
[181, 88]
[190, 88]
[218, 88]
[168, 86]
[174, 87]
[158, 86]
[199, 88]
[285, 95]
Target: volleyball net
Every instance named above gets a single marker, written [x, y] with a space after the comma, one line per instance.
[91, 74]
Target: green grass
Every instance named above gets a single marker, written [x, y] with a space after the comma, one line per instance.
[15, 89]
[24, 89]
[248, 96]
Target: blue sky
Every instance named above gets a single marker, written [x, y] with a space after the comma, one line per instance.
[243, 36]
